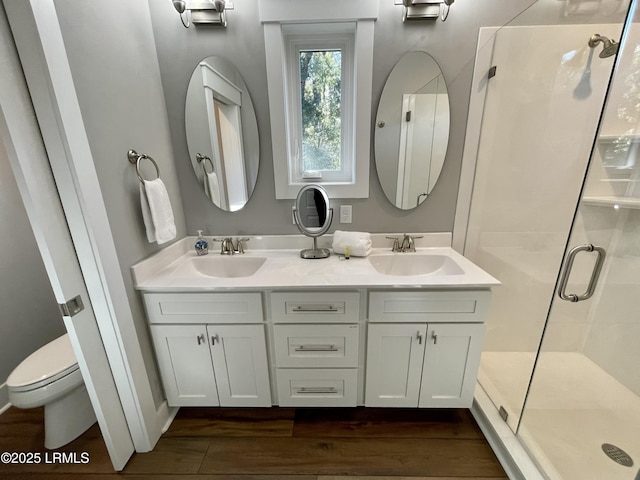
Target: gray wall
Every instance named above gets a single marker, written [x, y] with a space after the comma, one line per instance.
[30, 317]
[112, 56]
[451, 43]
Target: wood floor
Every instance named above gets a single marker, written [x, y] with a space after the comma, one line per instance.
[276, 443]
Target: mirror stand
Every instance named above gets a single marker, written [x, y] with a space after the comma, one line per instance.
[315, 252]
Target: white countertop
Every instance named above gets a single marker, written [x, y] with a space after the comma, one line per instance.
[283, 268]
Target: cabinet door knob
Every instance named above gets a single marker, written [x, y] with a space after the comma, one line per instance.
[215, 339]
[419, 337]
[200, 339]
[434, 335]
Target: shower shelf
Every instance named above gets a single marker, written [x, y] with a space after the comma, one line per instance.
[622, 202]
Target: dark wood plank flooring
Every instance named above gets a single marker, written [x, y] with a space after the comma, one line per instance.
[276, 443]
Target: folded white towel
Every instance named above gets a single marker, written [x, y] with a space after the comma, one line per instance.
[360, 243]
[156, 211]
[212, 188]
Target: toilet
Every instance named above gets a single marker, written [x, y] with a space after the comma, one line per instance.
[51, 377]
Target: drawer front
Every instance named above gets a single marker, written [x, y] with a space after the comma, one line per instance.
[204, 307]
[316, 345]
[316, 307]
[435, 306]
[317, 387]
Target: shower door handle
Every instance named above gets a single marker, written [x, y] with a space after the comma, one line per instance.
[597, 268]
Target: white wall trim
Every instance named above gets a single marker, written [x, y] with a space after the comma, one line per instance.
[275, 50]
[484, 55]
[312, 10]
[43, 55]
[4, 398]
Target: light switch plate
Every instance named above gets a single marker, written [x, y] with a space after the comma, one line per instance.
[345, 213]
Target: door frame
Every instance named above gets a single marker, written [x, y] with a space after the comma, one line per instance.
[39, 42]
[23, 145]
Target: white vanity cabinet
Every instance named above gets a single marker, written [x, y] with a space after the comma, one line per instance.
[211, 348]
[423, 348]
[316, 347]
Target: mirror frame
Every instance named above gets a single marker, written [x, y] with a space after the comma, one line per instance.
[414, 72]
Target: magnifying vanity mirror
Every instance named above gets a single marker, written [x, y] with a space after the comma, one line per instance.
[222, 133]
[412, 130]
[313, 218]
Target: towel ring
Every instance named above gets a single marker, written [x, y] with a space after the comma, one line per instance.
[201, 160]
[134, 157]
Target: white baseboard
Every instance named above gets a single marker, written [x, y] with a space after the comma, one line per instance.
[171, 415]
[510, 453]
[4, 398]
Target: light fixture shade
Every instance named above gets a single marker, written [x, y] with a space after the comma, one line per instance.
[425, 9]
[179, 5]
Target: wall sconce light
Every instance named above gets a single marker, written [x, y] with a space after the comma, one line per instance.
[425, 9]
[210, 12]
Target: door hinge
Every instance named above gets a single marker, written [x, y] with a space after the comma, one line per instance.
[72, 307]
[492, 71]
[503, 413]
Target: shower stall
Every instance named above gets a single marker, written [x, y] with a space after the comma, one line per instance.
[555, 216]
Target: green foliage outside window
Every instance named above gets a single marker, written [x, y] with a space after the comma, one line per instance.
[320, 90]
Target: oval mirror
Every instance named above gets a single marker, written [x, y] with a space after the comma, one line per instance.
[222, 133]
[313, 217]
[412, 130]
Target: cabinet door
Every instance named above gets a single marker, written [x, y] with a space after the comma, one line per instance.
[394, 364]
[451, 361]
[240, 362]
[185, 365]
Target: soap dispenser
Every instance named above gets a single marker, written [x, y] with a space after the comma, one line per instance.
[201, 246]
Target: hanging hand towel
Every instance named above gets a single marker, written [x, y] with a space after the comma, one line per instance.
[212, 188]
[360, 243]
[156, 211]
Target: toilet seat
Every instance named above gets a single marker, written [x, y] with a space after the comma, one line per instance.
[48, 364]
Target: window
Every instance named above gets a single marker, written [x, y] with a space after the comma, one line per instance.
[319, 59]
[320, 103]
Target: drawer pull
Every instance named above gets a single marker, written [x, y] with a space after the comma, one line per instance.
[315, 308]
[316, 348]
[318, 390]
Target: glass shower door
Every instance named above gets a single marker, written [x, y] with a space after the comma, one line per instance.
[582, 414]
[540, 118]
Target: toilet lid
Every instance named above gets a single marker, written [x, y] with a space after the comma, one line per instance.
[55, 359]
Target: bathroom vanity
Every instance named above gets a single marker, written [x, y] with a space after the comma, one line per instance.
[274, 329]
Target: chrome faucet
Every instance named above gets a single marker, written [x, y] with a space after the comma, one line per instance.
[406, 245]
[226, 246]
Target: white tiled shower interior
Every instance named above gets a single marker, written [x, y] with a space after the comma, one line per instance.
[586, 389]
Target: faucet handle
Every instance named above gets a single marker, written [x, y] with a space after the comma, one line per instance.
[396, 244]
[239, 248]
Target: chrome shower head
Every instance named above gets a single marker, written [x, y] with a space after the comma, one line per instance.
[609, 47]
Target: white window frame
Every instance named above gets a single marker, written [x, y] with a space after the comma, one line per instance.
[279, 18]
[297, 43]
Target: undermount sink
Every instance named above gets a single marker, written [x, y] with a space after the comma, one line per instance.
[226, 267]
[415, 264]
